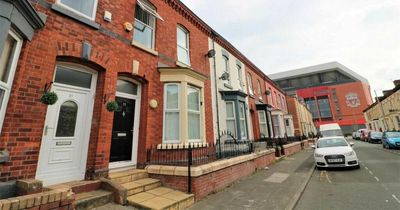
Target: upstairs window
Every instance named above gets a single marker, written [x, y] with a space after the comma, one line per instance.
[240, 77]
[183, 45]
[250, 84]
[85, 8]
[145, 22]
[226, 68]
[259, 89]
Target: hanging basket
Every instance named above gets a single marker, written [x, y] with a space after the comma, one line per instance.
[112, 106]
[49, 98]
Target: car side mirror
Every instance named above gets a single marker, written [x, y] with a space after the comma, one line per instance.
[351, 144]
[313, 146]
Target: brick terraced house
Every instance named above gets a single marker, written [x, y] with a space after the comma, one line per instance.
[167, 71]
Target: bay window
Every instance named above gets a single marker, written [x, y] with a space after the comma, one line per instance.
[230, 117]
[171, 113]
[183, 105]
[183, 45]
[262, 119]
[242, 121]
[194, 114]
[8, 63]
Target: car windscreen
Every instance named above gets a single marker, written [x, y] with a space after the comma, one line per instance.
[329, 133]
[393, 134]
[376, 134]
[336, 142]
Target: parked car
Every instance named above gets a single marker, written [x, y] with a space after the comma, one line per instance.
[354, 135]
[334, 152]
[375, 137]
[358, 134]
[364, 134]
[331, 129]
[391, 139]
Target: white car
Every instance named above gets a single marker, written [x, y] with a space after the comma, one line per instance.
[335, 152]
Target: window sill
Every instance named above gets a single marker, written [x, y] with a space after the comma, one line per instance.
[170, 146]
[75, 16]
[142, 47]
[251, 96]
[228, 86]
[180, 64]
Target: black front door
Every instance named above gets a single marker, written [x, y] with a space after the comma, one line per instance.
[122, 133]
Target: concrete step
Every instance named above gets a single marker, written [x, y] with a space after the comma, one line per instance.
[161, 198]
[141, 185]
[128, 175]
[89, 200]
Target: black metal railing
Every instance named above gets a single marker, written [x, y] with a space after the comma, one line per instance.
[227, 146]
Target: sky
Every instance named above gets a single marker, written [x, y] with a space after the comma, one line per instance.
[280, 35]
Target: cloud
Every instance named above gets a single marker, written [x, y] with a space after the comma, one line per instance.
[286, 34]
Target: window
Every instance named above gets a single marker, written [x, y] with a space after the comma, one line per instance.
[240, 77]
[324, 107]
[230, 117]
[145, 21]
[259, 89]
[183, 45]
[270, 96]
[127, 87]
[8, 63]
[85, 8]
[194, 120]
[73, 77]
[171, 113]
[226, 68]
[262, 121]
[275, 122]
[312, 106]
[242, 121]
[250, 84]
[284, 108]
[67, 119]
[398, 122]
[278, 101]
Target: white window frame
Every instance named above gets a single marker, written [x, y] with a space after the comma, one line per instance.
[177, 110]
[242, 119]
[240, 76]
[93, 17]
[261, 124]
[226, 68]
[232, 118]
[184, 48]
[259, 90]
[147, 9]
[270, 96]
[250, 81]
[7, 86]
[195, 112]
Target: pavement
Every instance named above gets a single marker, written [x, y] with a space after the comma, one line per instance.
[376, 185]
[278, 187]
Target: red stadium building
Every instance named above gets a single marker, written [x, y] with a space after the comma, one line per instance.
[333, 93]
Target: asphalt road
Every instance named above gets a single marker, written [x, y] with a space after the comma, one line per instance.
[375, 186]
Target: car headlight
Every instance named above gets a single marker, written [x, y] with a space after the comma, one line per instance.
[318, 155]
[349, 153]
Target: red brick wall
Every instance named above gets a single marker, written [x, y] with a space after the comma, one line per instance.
[292, 149]
[217, 180]
[292, 109]
[61, 39]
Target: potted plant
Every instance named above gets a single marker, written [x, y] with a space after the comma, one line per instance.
[49, 98]
[111, 106]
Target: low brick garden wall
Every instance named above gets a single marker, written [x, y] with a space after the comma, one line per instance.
[53, 199]
[214, 176]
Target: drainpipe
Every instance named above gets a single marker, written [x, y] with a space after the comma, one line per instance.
[215, 84]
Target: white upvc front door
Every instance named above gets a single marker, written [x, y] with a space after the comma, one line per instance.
[65, 140]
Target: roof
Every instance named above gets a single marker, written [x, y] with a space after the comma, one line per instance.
[381, 98]
[325, 67]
